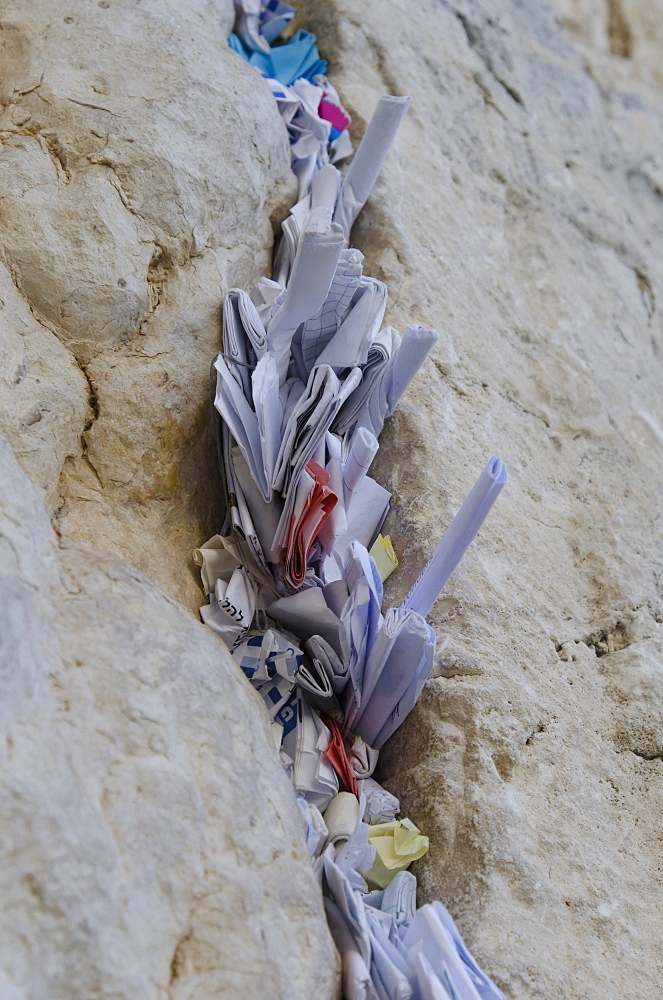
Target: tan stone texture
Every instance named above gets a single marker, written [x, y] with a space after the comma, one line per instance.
[142, 166]
[522, 215]
[152, 847]
[141, 161]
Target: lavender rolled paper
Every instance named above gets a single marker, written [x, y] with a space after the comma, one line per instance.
[362, 452]
[369, 158]
[415, 347]
[324, 188]
[457, 538]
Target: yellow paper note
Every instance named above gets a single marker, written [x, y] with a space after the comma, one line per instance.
[397, 845]
[385, 558]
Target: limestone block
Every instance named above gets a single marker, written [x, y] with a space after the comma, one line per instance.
[79, 256]
[152, 843]
[521, 214]
[141, 166]
[44, 396]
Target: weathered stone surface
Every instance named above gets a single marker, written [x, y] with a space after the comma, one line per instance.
[43, 392]
[152, 846]
[522, 214]
[151, 842]
[124, 217]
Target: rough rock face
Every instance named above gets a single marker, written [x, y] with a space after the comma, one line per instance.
[151, 844]
[124, 216]
[523, 214]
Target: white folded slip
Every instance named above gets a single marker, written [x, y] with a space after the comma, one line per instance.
[361, 619]
[253, 420]
[231, 606]
[312, 774]
[309, 420]
[307, 614]
[316, 684]
[325, 659]
[303, 434]
[445, 965]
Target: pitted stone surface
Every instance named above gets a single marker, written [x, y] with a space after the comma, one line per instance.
[142, 165]
[123, 219]
[152, 843]
[522, 215]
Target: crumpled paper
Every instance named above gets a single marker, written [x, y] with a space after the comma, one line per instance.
[397, 845]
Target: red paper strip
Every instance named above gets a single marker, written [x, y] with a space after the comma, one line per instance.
[337, 755]
[317, 508]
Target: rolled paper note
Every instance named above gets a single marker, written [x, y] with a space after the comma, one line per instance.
[415, 347]
[385, 558]
[457, 538]
[362, 452]
[341, 816]
[369, 158]
[397, 845]
[324, 188]
[410, 696]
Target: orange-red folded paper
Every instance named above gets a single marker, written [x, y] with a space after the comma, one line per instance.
[337, 755]
[313, 505]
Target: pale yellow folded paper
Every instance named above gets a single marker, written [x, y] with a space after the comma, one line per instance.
[385, 558]
[397, 845]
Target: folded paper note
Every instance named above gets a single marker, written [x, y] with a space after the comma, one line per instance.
[384, 555]
[397, 845]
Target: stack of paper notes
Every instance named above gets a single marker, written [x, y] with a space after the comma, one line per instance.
[306, 377]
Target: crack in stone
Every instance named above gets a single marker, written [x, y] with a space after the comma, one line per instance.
[476, 43]
[620, 38]
[96, 107]
[646, 756]
[93, 401]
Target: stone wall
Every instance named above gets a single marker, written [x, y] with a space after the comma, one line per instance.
[150, 841]
[523, 216]
[151, 844]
